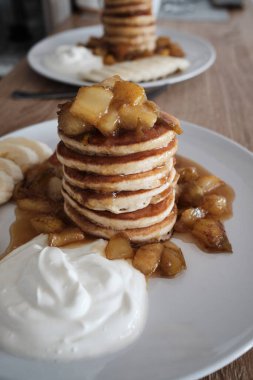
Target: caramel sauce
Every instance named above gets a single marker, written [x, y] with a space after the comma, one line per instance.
[21, 230]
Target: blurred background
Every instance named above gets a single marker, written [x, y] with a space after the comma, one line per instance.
[24, 22]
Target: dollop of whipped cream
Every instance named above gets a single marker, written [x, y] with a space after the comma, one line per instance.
[70, 59]
[68, 303]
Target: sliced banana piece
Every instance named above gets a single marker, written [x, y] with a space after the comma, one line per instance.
[13, 170]
[42, 149]
[24, 157]
[6, 187]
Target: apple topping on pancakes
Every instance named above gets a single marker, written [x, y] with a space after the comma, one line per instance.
[111, 105]
[118, 162]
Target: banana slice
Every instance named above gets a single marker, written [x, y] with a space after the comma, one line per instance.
[13, 170]
[41, 149]
[6, 187]
[24, 157]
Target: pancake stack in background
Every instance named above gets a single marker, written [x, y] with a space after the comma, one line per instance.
[129, 26]
[130, 47]
[123, 181]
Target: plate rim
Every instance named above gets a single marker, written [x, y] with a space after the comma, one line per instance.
[241, 349]
[147, 85]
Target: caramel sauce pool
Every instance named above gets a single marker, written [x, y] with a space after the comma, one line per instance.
[21, 230]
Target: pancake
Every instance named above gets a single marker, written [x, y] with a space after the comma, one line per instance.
[157, 137]
[132, 182]
[124, 201]
[129, 30]
[132, 20]
[127, 9]
[130, 49]
[156, 232]
[131, 40]
[152, 214]
[128, 164]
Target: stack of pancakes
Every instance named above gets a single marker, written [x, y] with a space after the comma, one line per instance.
[129, 26]
[121, 184]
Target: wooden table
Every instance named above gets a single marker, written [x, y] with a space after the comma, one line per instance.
[220, 99]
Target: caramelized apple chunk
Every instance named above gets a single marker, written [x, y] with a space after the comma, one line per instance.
[35, 205]
[209, 183]
[172, 261]
[139, 116]
[191, 194]
[66, 236]
[110, 82]
[215, 205]
[211, 235]
[47, 224]
[147, 258]
[91, 103]
[119, 247]
[54, 189]
[70, 125]
[128, 93]
[170, 121]
[171, 245]
[188, 174]
[108, 124]
[188, 218]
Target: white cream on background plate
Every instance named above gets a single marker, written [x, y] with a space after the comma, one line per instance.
[72, 60]
[197, 322]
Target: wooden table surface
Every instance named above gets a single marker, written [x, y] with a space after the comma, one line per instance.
[220, 99]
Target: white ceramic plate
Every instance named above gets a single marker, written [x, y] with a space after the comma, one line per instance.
[198, 322]
[199, 52]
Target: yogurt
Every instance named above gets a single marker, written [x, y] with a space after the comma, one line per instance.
[68, 303]
[72, 60]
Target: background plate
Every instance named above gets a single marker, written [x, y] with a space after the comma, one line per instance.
[199, 52]
[197, 322]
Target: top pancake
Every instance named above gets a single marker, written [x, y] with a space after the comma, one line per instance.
[125, 2]
[126, 143]
[129, 20]
[133, 8]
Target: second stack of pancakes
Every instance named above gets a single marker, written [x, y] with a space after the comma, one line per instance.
[122, 184]
[129, 25]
